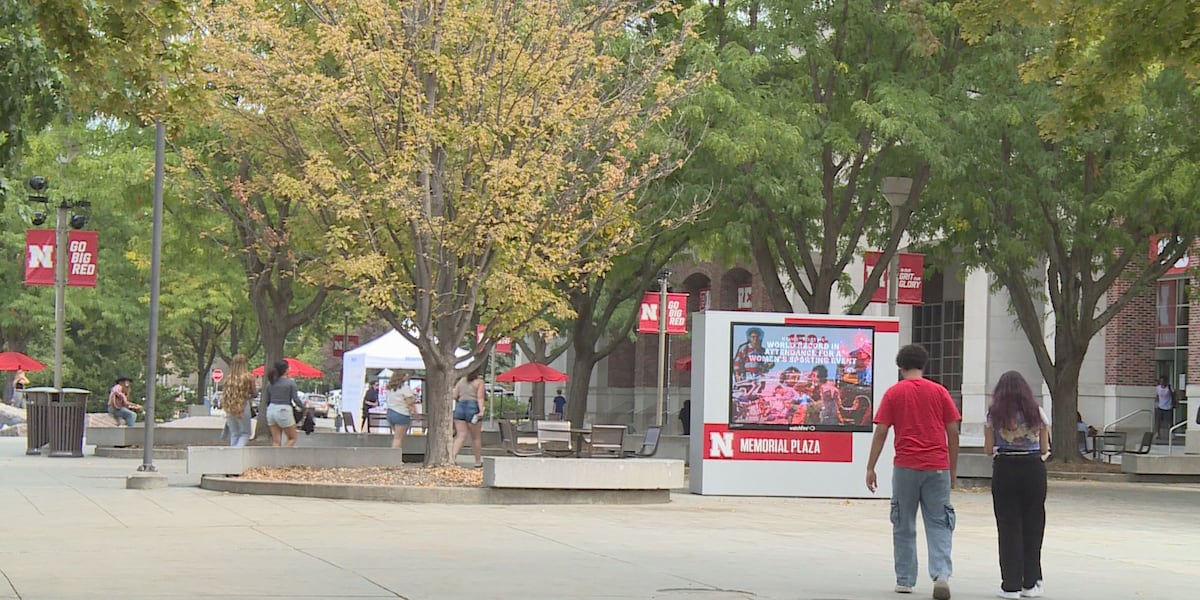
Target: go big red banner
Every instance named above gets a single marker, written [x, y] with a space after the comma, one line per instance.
[912, 270]
[82, 249]
[676, 313]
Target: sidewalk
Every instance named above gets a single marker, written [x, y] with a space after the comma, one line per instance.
[71, 531]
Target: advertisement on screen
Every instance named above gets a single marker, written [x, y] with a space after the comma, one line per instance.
[801, 377]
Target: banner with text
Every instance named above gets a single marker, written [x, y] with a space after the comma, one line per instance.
[82, 249]
[722, 443]
[912, 270]
[342, 344]
[676, 313]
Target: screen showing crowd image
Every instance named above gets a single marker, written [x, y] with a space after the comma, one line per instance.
[802, 377]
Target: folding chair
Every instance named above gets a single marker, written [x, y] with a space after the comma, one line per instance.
[1145, 445]
[348, 421]
[606, 440]
[1111, 444]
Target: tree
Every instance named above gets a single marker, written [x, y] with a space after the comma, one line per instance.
[1101, 52]
[1073, 217]
[814, 104]
[463, 156]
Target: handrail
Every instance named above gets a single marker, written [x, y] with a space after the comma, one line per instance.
[1136, 412]
[1171, 435]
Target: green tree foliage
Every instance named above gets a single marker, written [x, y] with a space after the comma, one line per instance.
[1065, 225]
[104, 163]
[814, 104]
[31, 83]
[1100, 52]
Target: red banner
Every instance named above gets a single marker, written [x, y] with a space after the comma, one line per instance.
[912, 271]
[503, 345]
[745, 297]
[676, 313]
[341, 345]
[1158, 243]
[82, 248]
[723, 443]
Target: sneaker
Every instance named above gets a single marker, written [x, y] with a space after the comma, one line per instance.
[903, 589]
[1004, 594]
[1033, 592]
[941, 589]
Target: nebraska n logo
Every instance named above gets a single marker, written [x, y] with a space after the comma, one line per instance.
[720, 444]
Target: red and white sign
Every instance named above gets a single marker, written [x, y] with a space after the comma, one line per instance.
[341, 345]
[745, 297]
[676, 313]
[723, 443]
[218, 375]
[704, 300]
[912, 272]
[82, 249]
[1158, 243]
[503, 345]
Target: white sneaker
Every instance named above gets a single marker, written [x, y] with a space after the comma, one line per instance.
[1033, 592]
[903, 589]
[1004, 594]
[941, 589]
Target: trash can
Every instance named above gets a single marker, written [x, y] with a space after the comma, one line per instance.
[37, 418]
[67, 413]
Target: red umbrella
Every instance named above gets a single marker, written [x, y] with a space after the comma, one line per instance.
[684, 364]
[534, 372]
[296, 368]
[15, 361]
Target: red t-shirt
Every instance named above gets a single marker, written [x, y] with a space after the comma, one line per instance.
[919, 410]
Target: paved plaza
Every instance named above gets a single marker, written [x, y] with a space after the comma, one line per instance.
[71, 530]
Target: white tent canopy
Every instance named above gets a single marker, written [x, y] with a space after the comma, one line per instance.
[388, 351]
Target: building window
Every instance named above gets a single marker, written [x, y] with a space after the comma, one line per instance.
[939, 328]
[1171, 331]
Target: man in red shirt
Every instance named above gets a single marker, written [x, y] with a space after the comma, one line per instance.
[926, 442]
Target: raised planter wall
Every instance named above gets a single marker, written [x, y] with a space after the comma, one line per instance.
[582, 473]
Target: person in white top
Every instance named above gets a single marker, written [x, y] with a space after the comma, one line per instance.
[1164, 406]
[401, 402]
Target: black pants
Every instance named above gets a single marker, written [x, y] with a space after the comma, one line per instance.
[1163, 415]
[1019, 502]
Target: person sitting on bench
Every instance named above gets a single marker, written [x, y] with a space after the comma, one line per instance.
[119, 406]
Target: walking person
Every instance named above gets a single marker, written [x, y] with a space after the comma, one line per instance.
[468, 413]
[280, 396]
[236, 399]
[401, 402]
[926, 444]
[1164, 407]
[1017, 437]
[560, 404]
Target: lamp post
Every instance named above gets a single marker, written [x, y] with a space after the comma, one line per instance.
[39, 184]
[896, 190]
[662, 343]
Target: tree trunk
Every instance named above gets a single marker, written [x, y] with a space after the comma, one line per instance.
[439, 408]
[1064, 393]
[577, 391]
[273, 337]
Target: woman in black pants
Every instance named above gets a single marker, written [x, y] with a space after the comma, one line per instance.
[1017, 436]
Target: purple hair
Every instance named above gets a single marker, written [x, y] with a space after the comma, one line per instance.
[1011, 397]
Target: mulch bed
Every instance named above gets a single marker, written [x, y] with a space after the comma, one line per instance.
[402, 476]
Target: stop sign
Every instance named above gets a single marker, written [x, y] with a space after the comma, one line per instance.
[217, 374]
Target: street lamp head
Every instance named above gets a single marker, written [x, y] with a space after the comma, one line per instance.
[39, 218]
[83, 212]
[896, 190]
[38, 184]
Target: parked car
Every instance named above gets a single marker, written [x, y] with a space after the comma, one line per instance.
[319, 405]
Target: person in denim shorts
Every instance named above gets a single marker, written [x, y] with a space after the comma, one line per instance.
[280, 395]
[468, 415]
[926, 441]
[401, 402]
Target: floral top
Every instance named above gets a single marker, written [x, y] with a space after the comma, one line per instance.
[1021, 438]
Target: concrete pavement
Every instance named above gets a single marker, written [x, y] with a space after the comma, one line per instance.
[70, 530]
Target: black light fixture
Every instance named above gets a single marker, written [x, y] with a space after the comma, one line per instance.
[82, 212]
[38, 198]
